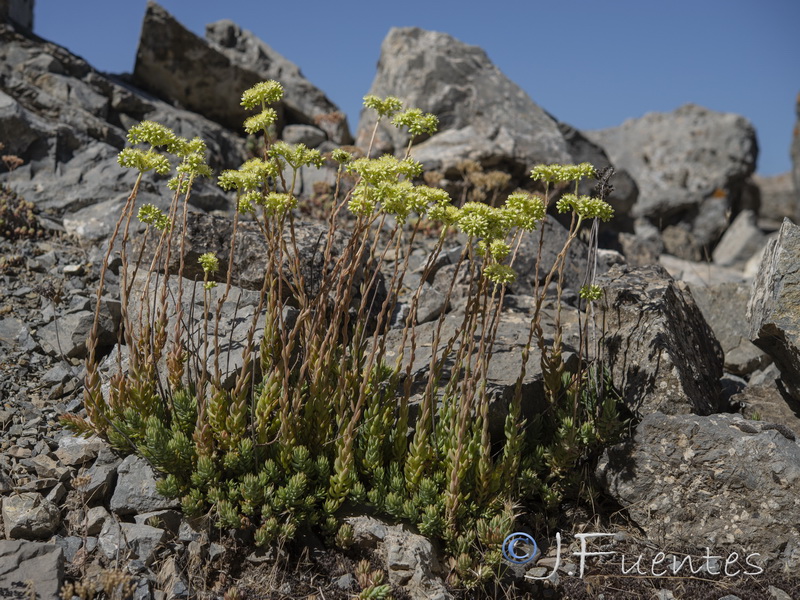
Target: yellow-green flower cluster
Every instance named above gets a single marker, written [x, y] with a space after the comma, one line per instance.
[297, 155]
[387, 168]
[386, 107]
[262, 93]
[482, 221]
[150, 214]
[209, 262]
[416, 121]
[524, 210]
[500, 274]
[562, 173]
[252, 175]
[149, 132]
[278, 204]
[143, 160]
[591, 292]
[181, 147]
[341, 156]
[444, 211]
[496, 249]
[585, 207]
[261, 121]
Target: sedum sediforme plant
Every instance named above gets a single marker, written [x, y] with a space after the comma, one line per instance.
[317, 414]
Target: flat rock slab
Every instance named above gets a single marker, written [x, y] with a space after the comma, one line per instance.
[724, 306]
[24, 564]
[689, 481]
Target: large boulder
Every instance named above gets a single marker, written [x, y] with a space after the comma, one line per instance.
[209, 76]
[304, 103]
[483, 116]
[774, 300]
[720, 482]
[67, 122]
[18, 12]
[662, 354]
[690, 165]
[778, 198]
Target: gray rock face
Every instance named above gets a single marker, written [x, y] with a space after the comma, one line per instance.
[724, 307]
[690, 165]
[410, 559]
[175, 64]
[700, 273]
[663, 355]
[23, 562]
[68, 333]
[690, 481]
[778, 198]
[506, 363]
[483, 116]
[68, 122]
[555, 236]
[740, 241]
[209, 76]
[136, 489]
[774, 300]
[141, 540]
[29, 516]
[303, 102]
[18, 12]
[770, 401]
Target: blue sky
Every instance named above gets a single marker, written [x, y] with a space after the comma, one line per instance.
[592, 64]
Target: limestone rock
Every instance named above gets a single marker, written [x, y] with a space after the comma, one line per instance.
[409, 558]
[175, 64]
[555, 236]
[724, 307]
[483, 116]
[141, 540]
[690, 481]
[18, 12]
[506, 363]
[22, 563]
[740, 241]
[29, 516]
[772, 402]
[773, 308]
[304, 103]
[67, 122]
[690, 165]
[699, 273]
[135, 491]
[778, 198]
[662, 354]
